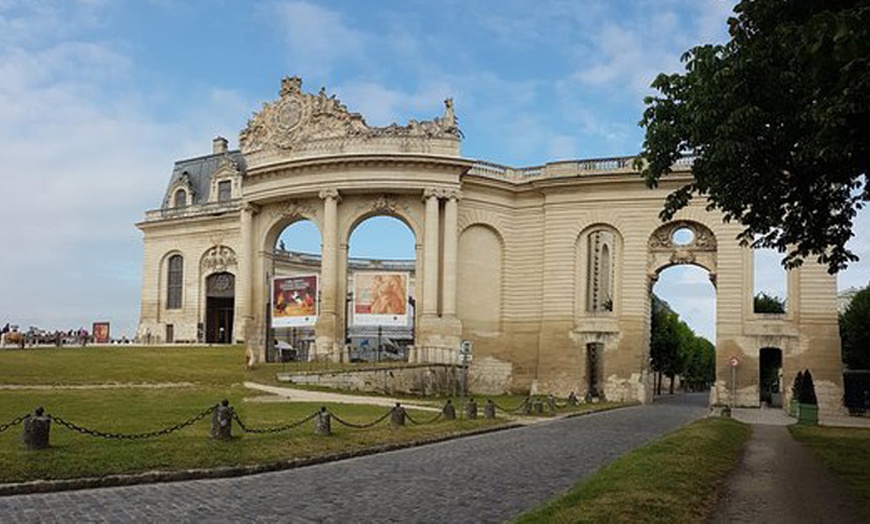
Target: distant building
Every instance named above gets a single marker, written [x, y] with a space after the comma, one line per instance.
[546, 269]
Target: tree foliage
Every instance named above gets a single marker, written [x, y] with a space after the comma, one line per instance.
[764, 303]
[777, 120]
[855, 331]
[676, 350]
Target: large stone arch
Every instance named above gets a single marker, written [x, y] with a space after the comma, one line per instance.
[663, 251]
[278, 217]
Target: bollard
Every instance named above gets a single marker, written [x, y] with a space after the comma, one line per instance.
[449, 411]
[551, 403]
[489, 409]
[222, 421]
[322, 422]
[538, 407]
[527, 406]
[471, 409]
[572, 399]
[397, 416]
[36, 430]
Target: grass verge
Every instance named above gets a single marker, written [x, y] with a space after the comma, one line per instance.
[846, 452]
[193, 379]
[674, 479]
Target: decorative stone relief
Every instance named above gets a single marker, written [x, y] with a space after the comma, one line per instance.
[298, 117]
[218, 258]
[329, 193]
[665, 251]
[384, 203]
[295, 209]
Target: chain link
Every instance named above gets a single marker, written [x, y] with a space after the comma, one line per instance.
[132, 436]
[361, 426]
[276, 429]
[514, 410]
[14, 422]
[430, 421]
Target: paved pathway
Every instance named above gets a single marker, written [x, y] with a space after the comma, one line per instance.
[486, 478]
[278, 393]
[779, 480]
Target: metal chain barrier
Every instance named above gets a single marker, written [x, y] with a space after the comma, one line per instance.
[516, 409]
[361, 426]
[276, 429]
[430, 421]
[14, 422]
[133, 436]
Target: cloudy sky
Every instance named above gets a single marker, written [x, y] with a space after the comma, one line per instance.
[98, 98]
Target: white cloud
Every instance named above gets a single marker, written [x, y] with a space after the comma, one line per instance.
[317, 38]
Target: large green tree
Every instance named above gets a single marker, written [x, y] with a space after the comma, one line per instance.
[855, 331]
[777, 120]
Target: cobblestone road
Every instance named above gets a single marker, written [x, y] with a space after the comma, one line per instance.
[486, 478]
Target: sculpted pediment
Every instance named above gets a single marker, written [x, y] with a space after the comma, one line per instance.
[301, 124]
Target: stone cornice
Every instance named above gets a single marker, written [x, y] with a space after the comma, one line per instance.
[325, 163]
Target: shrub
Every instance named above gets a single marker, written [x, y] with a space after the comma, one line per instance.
[807, 392]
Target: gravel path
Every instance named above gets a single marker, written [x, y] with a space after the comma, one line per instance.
[486, 478]
[779, 480]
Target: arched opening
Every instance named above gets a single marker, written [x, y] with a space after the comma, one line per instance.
[770, 376]
[380, 308]
[296, 258]
[219, 295]
[683, 330]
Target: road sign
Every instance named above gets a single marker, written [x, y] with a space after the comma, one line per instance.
[465, 347]
[733, 362]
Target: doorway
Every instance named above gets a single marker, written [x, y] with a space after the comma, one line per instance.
[770, 376]
[219, 308]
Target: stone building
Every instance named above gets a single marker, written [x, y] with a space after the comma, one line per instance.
[546, 269]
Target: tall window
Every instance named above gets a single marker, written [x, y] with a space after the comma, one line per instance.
[180, 198]
[225, 190]
[599, 286]
[174, 282]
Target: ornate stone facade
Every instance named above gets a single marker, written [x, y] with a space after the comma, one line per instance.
[547, 269]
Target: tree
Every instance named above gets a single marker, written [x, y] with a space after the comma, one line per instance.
[764, 303]
[777, 121]
[855, 331]
[670, 342]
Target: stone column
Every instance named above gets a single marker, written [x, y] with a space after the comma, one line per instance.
[244, 311]
[430, 254]
[326, 320]
[451, 244]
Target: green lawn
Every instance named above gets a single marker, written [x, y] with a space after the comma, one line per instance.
[846, 452]
[674, 479]
[194, 379]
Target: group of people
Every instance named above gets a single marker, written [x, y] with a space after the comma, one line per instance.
[37, 337]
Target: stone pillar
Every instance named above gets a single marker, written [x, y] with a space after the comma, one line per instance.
[397, 416]
[451, 248]
[326, 320]
[244, 310]
[449, 411]
[322, 422]
[222, 421]
[37, 428]
[430, 254]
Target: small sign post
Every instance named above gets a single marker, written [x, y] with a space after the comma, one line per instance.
[464, 355]
[733, 362]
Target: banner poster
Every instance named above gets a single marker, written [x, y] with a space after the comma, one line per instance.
[294, 301]
[101, 332]
[380, 299]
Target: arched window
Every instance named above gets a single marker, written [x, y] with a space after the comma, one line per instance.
[174, 282]
[180, 198]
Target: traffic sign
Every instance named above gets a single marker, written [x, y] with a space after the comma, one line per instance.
[733, 362]
[465, 347]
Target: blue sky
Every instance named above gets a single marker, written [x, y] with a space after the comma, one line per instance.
[98, 98]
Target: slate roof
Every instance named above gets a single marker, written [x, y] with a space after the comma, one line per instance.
[199, 172]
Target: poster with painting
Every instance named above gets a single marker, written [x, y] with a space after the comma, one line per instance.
[380, 299]
[294, 301]
[101, 332]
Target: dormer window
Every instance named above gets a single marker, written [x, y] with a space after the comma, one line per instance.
[225, 190]
[180, 198]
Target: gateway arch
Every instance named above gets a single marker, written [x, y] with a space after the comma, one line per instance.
[546, 269]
